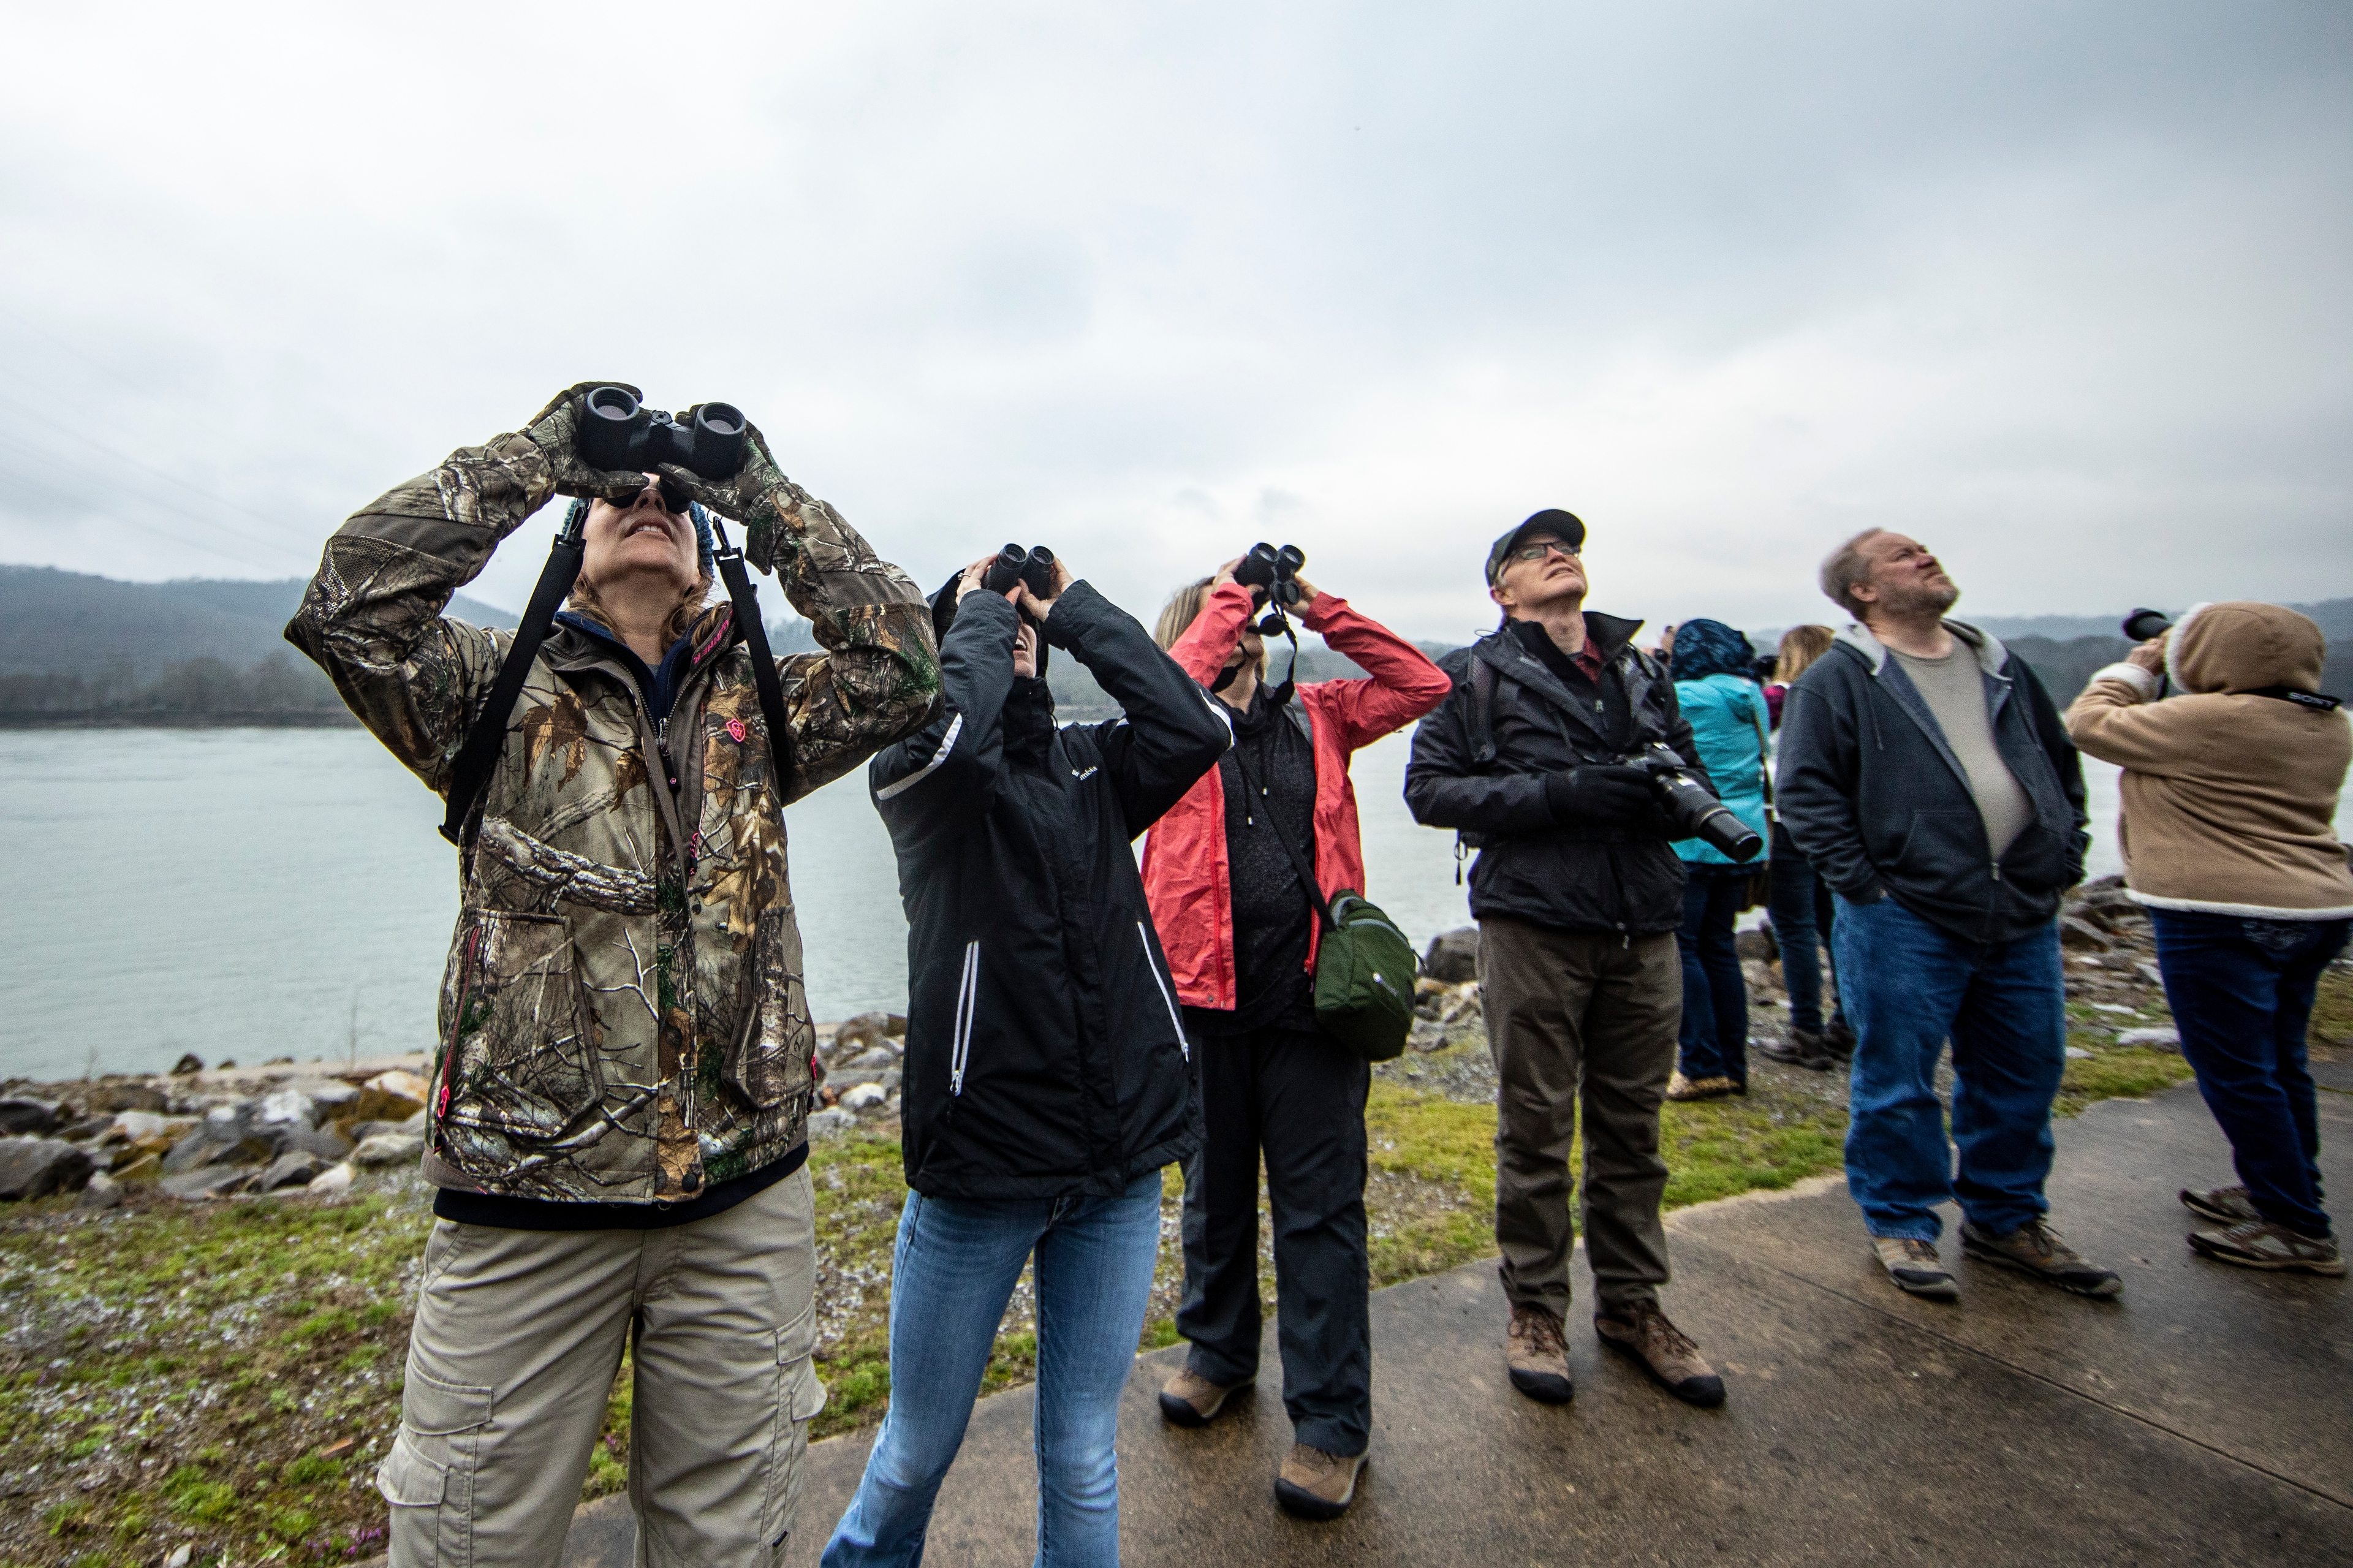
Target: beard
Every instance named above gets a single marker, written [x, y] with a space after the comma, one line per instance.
[1910, 600]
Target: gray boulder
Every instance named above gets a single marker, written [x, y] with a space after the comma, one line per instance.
[212, 1181]
[827, 1122]
[387, 1149]
[290, 1170]
[103, 1193]
[129, 1097]
[876, 1060]
[21, 1116]
[1453, 956]
[35, 1167]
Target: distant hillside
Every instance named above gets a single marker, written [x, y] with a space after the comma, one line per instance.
[54, 622]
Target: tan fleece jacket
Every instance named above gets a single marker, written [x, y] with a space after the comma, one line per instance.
[2228, 796]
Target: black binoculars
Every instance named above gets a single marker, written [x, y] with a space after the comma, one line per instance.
[1016, 565]
[2143, 625]
[1273, 573]
[618, 431]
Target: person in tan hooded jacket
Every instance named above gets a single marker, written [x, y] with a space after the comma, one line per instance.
[2230, 790]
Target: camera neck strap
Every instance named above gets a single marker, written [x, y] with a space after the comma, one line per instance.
[471, 773]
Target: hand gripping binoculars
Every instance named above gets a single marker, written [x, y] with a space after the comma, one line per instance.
[619, 433]
[1273, 576]
[2143, 625]
[1034, 567]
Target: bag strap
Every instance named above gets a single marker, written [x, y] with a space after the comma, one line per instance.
[1298, 861]
[471, 773]
[1763, 759]
[1483, 677]
[782, 752]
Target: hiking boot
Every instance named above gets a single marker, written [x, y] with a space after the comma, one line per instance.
[1642, 1330]
[2260, 1244]
[1682, 1088]
[2223, 1205]
[1803, 1048]
[1313, 1484]
[1914, 1267]
[1840, 1040]
[1188, 1399]
[2035, 1249]
[1537, 1353]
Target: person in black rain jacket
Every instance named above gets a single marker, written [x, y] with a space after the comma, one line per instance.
[1048, 1077]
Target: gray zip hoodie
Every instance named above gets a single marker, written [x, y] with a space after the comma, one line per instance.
[1874, 795]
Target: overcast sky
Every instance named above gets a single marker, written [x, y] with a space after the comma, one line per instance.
[2060, 288]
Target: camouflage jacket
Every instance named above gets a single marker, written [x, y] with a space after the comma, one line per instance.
[622, 1018]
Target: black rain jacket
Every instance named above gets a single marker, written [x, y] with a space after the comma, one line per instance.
[1875, 800]
[1533, 865]
[1045, 1053]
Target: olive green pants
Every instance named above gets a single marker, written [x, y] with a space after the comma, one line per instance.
[518, 1338]
[1579, 1022]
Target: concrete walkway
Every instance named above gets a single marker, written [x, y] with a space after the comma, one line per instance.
[2207, 1417]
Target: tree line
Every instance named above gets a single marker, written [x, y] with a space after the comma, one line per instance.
[278, 689]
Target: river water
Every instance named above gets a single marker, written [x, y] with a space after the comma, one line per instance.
[257, 893]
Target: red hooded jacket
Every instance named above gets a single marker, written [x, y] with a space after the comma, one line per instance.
[1186, 878]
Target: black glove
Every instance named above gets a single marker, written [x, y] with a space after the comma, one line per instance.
[1601, 792]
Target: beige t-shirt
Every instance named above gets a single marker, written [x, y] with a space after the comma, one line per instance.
[1953, 687]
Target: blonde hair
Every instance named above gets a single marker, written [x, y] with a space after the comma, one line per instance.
[1183, 608]
[584, 600]
[1800, 645]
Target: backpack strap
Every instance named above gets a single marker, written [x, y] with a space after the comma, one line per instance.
[471, 773]
[781, 750]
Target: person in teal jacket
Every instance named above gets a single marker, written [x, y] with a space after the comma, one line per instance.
[1716, 685]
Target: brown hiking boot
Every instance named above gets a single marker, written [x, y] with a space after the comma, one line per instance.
[1537, 1352]
[2260, 1244]
[1717, 1087]
[2035, 1249]
[1914, 1267]
[1188, 1399]
[1313, 1484]
[1642, 1330]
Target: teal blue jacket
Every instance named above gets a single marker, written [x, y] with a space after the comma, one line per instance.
[1728, 720]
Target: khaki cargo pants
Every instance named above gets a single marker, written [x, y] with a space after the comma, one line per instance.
[519, 1335]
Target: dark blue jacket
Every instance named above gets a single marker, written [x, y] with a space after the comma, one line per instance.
[1873, 796]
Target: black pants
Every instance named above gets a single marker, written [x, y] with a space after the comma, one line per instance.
[1803, 910]
[1299, 1098]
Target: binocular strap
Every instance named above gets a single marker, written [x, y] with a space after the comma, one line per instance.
[472, 772]
[764, 664]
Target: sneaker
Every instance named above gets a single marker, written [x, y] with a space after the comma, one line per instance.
[1642, 1330]
[1537, 1352]
[1682, 1088]
[1313, 1484]
[2260, 1244]
[2223, 1205]
[1803, 1048]
[1188, 1399]
[1914, 1267]
[2035, 1249]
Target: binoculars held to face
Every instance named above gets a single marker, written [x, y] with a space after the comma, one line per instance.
[1034, 567]
[1692, 808]
[1272, 577]
[2143, 625]
[618, 431]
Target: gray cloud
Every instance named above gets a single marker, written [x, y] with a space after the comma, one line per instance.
[2058, 288]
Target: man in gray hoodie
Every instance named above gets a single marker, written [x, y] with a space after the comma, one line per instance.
[1924, 774]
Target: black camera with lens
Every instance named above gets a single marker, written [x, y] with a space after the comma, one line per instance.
[619, 433]
[1033, 567]
[1691, 806]
[2143, 625]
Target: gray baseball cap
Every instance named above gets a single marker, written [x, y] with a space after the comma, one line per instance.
[1566, 525]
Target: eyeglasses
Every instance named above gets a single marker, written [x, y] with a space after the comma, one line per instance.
[1545, 547]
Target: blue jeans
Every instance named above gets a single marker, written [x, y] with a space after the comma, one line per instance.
[1802, 924]
[1715, 1031]
[954, 1268]
[2241, 991]
[1909, 986]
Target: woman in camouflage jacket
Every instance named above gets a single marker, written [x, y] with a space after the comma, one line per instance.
[622, 1083]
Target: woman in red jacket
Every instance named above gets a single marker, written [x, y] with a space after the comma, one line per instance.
[1240, 936]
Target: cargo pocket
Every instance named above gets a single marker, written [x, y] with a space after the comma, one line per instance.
[770, 1062]
[799, 1396]
[428, 1476]
[523, 1061]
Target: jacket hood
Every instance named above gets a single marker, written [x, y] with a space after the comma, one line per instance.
[1857, 640]
[2243, 645]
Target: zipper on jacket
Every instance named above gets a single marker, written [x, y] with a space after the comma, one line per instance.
[960, 1041]
[1170, 1001]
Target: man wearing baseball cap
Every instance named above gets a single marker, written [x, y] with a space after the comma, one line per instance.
[1578, 898]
